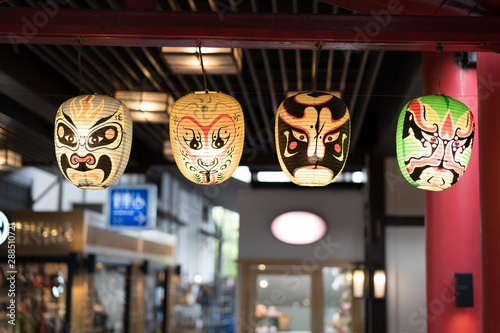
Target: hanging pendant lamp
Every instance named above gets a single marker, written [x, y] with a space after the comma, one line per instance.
[207, 134]
[93, 138]
[434, 141]
[312, 133]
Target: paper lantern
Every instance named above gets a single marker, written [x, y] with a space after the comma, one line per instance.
[434, 141]
[207, 132]
[93, 137]
[312, 133]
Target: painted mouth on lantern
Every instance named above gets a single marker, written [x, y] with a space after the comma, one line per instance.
[313, 175]
[435, 179]
[207, 166]
[84, 177]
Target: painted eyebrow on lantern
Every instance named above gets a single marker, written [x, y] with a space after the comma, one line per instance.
[68, 118]
[102, 120]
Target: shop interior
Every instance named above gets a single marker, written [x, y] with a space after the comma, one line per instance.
[201, 254]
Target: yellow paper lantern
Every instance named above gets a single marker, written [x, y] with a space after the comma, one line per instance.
[93, 137]
[434, 141]
[312, 133]
[207, 132]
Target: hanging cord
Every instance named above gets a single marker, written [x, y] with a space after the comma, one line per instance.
[80, 47]
[202, 67]
[315, 76]
[439, 48]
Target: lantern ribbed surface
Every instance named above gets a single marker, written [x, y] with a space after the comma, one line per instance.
[207, 132]
[93, 138]
[312, 133]
[434, 141]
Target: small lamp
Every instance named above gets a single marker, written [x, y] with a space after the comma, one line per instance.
[434, 141]
[93, 138]
[379, 283]
[312, 154]
[185, 60]
[207, 133]
[358, 283]
[10, 160]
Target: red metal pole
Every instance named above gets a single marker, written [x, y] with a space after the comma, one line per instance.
[452, 217]
[488, 75]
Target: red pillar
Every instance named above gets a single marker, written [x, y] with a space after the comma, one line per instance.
[452, 217]
[488, 74]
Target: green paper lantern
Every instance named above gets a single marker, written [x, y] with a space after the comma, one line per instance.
[434, 141]
[312, 133]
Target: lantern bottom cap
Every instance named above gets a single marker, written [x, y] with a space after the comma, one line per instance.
[92, 187]
[431, 188]
[313, 176]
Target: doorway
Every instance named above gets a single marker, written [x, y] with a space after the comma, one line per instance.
[298, 298]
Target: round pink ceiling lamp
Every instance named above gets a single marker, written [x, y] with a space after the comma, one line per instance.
[298, 228]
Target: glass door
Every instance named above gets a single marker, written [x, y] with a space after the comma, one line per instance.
[283, 302]
[338, 301]
[298, 298]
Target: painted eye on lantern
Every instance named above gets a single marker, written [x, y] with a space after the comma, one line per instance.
[192, 139]
[458, 143]
[220, 138]
[299, 136]
[332, 137]
[430, 138]
[66, 136]
[104, 136]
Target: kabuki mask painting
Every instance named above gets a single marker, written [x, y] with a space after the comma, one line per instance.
[312, 135]
[434, 141]
[93, 138]
[207, 133]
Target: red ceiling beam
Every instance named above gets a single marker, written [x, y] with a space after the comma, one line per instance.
[248, 30]
[409, 7]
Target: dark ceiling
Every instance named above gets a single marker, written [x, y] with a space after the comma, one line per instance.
[36, 78]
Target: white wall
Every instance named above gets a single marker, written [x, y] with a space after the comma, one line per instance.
[341, 209]
[401, 198]
[406, 280]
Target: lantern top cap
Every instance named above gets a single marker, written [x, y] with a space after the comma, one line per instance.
[207, 92]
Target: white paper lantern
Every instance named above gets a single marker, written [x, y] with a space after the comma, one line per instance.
[93, 137]
[207, 132]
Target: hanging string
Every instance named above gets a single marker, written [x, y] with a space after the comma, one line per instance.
[202, 67]
[315, 76]
[80, 47]
[439, 48]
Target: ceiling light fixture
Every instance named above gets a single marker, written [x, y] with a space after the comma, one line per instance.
[216, 61]
[146, 106]
[10, 160]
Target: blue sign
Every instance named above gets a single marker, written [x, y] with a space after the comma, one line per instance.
[132, 207]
